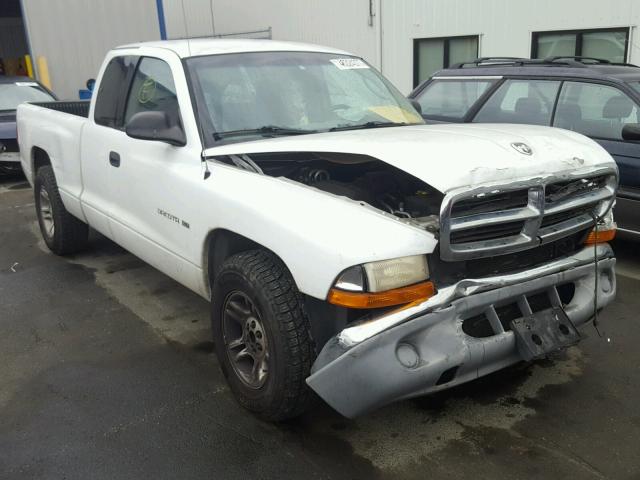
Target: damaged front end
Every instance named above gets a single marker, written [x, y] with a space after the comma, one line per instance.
[537, 281]
[461, 333]
[361, 178]
[513, 274]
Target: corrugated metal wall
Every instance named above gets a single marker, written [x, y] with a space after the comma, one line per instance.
[504, 26]
[337, 23]
[74, 35]
[192, 16]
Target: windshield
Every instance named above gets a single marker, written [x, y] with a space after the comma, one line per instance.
[451, 98]
[270, 93]
[13, 94]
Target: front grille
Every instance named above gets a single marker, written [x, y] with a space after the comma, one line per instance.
[491, 203]
[494, 231]
[556, 218]
[10, 145]
[555, 192]
[445, 273]
[490, 221]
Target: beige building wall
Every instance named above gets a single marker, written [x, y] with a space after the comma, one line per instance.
[74, 35]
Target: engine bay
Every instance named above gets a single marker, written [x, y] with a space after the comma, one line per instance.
[358, 177]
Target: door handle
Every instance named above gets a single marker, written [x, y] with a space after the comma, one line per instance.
[114, 159]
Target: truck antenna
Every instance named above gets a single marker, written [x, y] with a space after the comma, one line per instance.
[213, 24]
[207, 172]
[186, 28]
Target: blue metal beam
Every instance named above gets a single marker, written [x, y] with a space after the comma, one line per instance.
[161, 22]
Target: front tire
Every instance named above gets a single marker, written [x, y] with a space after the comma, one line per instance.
[262, 335]
[62, 232]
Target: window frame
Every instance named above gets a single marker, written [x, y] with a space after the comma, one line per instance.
[131, 79]
[579, 33]
[475, 110]
[495, 82]
[620, 88]
[446, 61]
[501, 79]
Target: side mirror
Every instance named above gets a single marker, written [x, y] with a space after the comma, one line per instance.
[631, 131]
[155, 126]
[416, 105]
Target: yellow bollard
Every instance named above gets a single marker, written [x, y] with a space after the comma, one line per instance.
[43, 72]
[29, 65]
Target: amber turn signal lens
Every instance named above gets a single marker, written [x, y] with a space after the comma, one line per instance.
[600, 236]
[397, 296]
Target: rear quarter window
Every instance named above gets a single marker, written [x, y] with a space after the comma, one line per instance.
[451, 98]
[595, 110]
[112, 91]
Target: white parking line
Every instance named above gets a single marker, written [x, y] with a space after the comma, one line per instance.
[628, 270]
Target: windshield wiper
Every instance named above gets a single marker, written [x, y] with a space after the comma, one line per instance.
[267, 130]
[362, 126]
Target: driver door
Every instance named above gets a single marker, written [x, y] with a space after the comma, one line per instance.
[152, 213]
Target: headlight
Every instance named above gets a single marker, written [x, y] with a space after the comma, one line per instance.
[399, 272]
[383, 283]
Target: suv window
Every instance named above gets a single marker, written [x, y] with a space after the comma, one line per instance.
[595, 110]
[521, 101]
[153, 89]
[451, 98]
[108, 109]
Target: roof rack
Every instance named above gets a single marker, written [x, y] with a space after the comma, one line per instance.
[588, 61]
[580, 59]
[492, 61]
[556, 61]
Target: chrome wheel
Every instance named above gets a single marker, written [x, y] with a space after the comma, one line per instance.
[245, 339]
[46, 214]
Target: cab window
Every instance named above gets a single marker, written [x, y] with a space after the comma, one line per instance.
[595, 110]
[451, 98]
[153, 89]
[521, 101]
[112, 89]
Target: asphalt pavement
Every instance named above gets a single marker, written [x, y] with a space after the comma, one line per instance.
[107, 371]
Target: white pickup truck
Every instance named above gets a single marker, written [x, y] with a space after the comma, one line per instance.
[346, 247]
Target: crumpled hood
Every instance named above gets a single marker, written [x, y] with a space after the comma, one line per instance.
[451, 155]
[8, 125]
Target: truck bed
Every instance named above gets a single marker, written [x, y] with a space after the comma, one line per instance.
[78, 108]
[56, 129]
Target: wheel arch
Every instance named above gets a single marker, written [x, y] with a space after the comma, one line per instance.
[39, 158]
[219, 245]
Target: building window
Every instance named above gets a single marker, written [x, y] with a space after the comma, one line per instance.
[433, 54]
[607, 44]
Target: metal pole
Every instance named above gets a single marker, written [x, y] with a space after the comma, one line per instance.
[161, 20]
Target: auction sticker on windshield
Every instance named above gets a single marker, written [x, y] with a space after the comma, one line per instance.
[349, 63]
[27, 84]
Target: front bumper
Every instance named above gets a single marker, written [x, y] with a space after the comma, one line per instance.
[423, 348]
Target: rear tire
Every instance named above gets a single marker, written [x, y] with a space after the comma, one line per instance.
[262, 335]
[62, 232]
